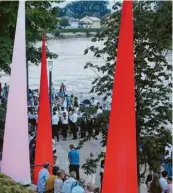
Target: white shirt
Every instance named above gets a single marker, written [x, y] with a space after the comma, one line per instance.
[64, 120]
[55, 120]
[169, 149]
[70, 115]
[163, 184]
[94, 102]
[99, 111]
[65, 104]
[74, 117]
[77, 110]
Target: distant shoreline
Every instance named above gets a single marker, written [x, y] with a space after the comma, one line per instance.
[74, 33]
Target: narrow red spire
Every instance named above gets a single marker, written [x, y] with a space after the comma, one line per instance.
[120, 172]
[43, 152]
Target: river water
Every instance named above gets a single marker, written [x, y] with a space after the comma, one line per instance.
[69, 66]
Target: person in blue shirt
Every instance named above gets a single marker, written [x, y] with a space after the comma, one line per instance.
[42, 178]
[80, 188]
[74, 159]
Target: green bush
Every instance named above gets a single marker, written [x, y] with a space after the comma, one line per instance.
[7, 185]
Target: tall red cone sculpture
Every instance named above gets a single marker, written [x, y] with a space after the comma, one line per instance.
[120, 171]
[43, 151]
[15, 157]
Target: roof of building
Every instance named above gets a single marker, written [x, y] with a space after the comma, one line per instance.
[92, 18]
[71, 19]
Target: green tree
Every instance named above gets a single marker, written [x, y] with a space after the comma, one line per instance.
[152, 37]
[39, 16]
[64, 22]
[81, 9]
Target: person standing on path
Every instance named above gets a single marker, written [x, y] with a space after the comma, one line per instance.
[74, 159]
[55, 121]
[64, 121]
[73, 124]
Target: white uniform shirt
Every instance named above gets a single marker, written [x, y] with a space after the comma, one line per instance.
[64, 120]
[99, 111]
[55, 120]
[169, 149]
[74, 117]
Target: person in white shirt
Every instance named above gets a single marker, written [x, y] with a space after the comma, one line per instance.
[163, 182]
[168, 150]
[105, 107]
[168, 159]
[93, 101]
[99, 110]
[55, 121]
[73, 124]
[64, 121]
[64, 103]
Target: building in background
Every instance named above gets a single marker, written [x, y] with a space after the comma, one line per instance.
[73, 22]
[90, 22]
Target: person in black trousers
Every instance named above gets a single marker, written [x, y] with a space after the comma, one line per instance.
[74, 159]
[73, 124]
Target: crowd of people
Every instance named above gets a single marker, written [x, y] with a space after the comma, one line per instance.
[66, 112]
[60, 182]
[159, 184]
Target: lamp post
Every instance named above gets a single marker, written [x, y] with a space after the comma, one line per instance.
[50, 65]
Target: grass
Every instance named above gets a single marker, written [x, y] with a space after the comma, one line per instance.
[7, 185]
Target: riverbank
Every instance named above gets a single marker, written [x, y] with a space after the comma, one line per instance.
[74, 33]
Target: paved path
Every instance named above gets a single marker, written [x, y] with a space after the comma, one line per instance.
[91, 146]
[62, 155]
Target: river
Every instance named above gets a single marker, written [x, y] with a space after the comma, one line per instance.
[69, 66]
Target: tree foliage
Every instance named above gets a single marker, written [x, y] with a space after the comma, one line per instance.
[79, 9]
[9, 186]
[39, 16]
[64, 22]
[152, 37]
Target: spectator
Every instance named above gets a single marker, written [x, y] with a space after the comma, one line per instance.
[69, 183]
[163, 181]
[58, 183]
[89, 188]
[42, 178]
[80, 188]
[154, 186]
[169, 180]
[50, 181]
